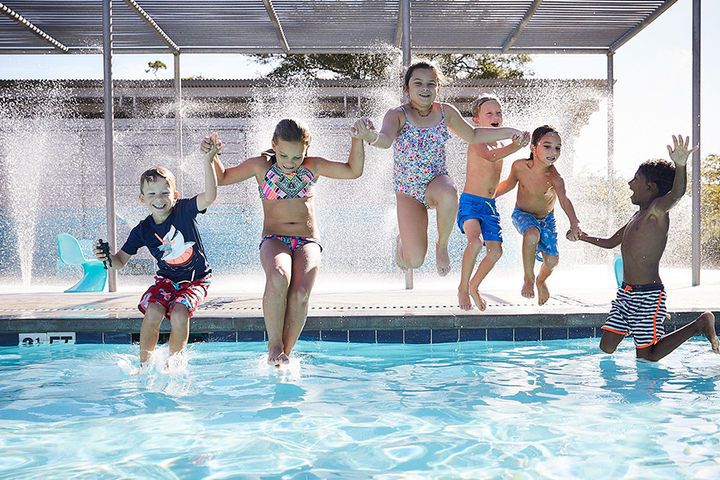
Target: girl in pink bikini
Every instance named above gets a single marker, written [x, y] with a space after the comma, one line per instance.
[289, 250]
[418, 131]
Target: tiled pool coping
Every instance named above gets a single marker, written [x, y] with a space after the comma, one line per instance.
[416, 329]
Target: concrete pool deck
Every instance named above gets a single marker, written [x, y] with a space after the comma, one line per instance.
[370, 310]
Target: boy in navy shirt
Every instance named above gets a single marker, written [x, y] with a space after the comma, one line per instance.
[171, 235]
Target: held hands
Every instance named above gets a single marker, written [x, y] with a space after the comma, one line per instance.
[679, 153]
[364, 130]
[574, 233]
[521, 139]
[210, 146]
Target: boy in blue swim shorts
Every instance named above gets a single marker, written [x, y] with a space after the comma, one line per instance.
[540, 185]
[478, 217]
[639, 308]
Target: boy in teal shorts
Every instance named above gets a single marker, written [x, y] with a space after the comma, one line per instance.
[540, 185]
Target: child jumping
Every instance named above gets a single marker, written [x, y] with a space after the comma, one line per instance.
[478, 217]
[418, 132]
[639, 308]
[540, 185]
[171, 235]
[290, 248]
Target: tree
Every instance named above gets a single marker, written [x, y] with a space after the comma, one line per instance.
[155, 66]
[710, 207]
[374, 66]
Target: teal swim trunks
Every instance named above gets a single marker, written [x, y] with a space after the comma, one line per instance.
[546, 226]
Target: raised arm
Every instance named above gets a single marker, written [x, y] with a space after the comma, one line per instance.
[493, 154]
[509, 183]
[238, 173]
[206, 198]
[679, 154]
[611, 242]
[356, 160]
[393, 120]
[566, 205]
[473, 134]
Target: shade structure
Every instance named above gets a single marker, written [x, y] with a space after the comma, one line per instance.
[317, 26]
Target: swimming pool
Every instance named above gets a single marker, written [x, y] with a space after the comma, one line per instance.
[553, 409]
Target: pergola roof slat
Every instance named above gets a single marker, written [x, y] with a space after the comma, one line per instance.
[322, 26]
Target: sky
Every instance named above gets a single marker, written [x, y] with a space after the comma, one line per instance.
[653, 90]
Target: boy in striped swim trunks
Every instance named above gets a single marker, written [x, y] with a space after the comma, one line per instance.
[639, 309]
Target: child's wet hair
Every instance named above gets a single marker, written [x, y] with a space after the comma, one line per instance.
[485, 97]
[660, 172]
[291, 131]
[155, 174]
[540, 132]
[439, 77]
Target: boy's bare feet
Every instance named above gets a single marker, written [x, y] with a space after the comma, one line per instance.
[464, 299]
[442, 260]
[706, 326]
[398, 254]
[480, 302]
[528, 289]
[543, 292]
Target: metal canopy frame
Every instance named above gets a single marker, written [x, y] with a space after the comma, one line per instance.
[339, 26]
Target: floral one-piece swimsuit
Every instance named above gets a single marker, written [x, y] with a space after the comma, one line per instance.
[419, 157]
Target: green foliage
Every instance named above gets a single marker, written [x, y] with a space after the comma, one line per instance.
[710, 208]
[375, 66]
[481, 66]
[155, 66]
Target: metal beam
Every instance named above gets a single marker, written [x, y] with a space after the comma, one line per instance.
[611, 143]
[520, 27]
[276, 23]
[696, 158]
[148, 19]
[25, 23]
[178, 120]
[631, 33]
[109, 138]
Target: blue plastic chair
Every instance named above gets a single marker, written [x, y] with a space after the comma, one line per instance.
[618, 267]
[94, 273]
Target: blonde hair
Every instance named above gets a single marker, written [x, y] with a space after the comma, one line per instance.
[485, 97]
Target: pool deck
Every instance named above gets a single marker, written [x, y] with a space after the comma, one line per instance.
[381, 310]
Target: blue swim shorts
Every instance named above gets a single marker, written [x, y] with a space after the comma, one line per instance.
[484, 210]
[548, 236]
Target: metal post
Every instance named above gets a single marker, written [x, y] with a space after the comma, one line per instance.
[406, 52]
[109, 137]
[696, 159]
[178, 122]
[610, 142]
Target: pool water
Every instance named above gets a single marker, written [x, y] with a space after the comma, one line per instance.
[552, 410]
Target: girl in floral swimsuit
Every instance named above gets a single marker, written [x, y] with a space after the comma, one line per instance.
[418, 131]
[289, 251]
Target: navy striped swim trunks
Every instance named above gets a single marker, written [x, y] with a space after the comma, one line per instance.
[638, 310]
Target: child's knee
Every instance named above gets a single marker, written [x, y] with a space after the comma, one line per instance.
[607, 347]
[278, 279]
[475, 244]
[532, 235]
[154, 314]
[494, 252]
[179, 316]
[551, 261]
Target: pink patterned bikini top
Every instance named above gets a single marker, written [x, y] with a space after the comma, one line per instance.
[278, 185]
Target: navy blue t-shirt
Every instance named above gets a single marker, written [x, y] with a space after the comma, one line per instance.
[175, 243]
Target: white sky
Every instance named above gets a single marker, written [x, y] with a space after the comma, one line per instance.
[653, 88]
